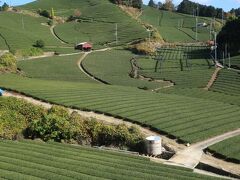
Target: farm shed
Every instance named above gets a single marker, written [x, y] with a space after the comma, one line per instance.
[1, 92]
[84, 46]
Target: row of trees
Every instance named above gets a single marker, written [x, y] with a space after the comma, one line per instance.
[188, 7]
[167, 5]
[235, 12]
[133, 3]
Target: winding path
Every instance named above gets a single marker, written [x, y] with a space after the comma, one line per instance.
[80, 66]
[56, 37]
[191, 156]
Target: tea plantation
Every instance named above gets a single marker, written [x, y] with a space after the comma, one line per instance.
[35, 160]
[98, 23]
[169, 97]
[194, 72]
[54, 68]
[167, 23]
[22, 31]
[228, 82]
[222, 149]
[118, 71]
[195, 121]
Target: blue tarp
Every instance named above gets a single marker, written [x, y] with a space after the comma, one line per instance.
[1, 92]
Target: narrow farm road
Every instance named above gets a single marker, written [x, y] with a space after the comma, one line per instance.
[191, 156]
[80, 66]
[46, 54]
[56, 37]
[213, 78]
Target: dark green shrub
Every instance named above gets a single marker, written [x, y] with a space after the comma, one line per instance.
[40, 44]
[44, 13]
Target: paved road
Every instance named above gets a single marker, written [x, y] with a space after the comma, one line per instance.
[190, 156]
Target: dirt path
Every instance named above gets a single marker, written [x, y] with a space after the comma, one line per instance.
[80, 66]
[191, 156]
[100, 117]
[213, 78]
[46, 54]
[221, 164]
[56, 37]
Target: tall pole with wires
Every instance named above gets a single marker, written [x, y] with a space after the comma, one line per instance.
[116, 33]
[222, 16]
[23, 25]
[196, 36]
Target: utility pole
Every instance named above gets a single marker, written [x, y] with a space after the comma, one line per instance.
[223, 59]
[149, 34]
[215, 44]
[196, 36]
[229, 60]
[23, 25]
[196, 24]
[222, 16]
[116, 33]
[210, 31]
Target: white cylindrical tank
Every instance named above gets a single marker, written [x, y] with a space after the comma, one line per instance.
[154, 145]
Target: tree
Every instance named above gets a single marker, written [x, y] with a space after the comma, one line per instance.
[40, 43]
[152, 4]
[5, 7]
[44, 13]
[168, 5]
[137, 4]
[132, 3]
[230, 35]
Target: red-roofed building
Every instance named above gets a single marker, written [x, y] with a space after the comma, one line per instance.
[85, 46]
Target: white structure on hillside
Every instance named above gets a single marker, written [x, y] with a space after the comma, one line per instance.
[154, 145]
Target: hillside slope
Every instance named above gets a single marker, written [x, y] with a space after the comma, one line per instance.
[168, 22]
[100, 20]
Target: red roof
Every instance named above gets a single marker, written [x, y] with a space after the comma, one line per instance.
[87, 45]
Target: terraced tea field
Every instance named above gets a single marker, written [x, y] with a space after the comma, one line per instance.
[228, 82]
[228, 149]
[196, 72]
[203, 94]
[119, 68]
[235, 62]
[34, 160]
[98, 24]
[167, 24]
[189, 119]
[55, 68]
[22, 31]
